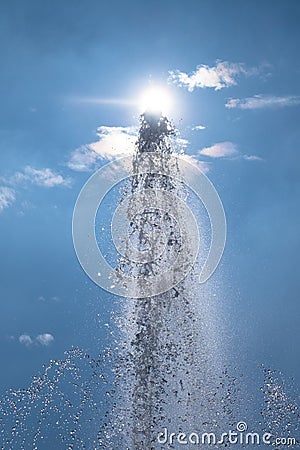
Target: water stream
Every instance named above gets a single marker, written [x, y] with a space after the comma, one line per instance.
[166, 370]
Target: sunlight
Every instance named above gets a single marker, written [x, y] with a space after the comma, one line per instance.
[155, 100]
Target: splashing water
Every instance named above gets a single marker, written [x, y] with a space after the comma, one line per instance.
[166, 349]
[61, 408]
[166, 366]
[280, 413]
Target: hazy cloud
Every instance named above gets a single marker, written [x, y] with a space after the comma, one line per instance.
[252, 158]
[223, 74]
[29, 175]
[25, 339]
[220, 150]
[41, 177]
[45, 339]
[192, 159]
[42, 339]
[225, 150]
[112, 142]
[263, 101]
[198, 128]
[7, 197]
[43, 299]
[83, 159]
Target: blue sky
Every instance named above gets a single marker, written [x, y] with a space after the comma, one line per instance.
[71, 73]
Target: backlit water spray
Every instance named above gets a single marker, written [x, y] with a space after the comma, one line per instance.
[166, 377]
[166, 351]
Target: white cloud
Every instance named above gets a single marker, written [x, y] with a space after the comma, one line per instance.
[220, 150]
[83, 159]
[201, 165]
[120, 141]
[223, 74]
[41, 177]
[227, 149]
[29, 175]
[112, 142]
[7, 197]
[45, 339]
[252, 158]
[263, 101]
[199, 128]
[43, 299]
[25, 339]
[42, 339]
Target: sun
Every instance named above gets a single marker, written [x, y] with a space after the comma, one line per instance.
[155, 100]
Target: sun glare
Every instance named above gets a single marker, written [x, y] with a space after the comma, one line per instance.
[155, 100]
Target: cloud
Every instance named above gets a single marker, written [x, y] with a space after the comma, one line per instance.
[203, 166]
[83, 159]
[220, 150]
[252, 158]
[29, 175]
[223, 74]
[112, 142]
[263, 101]
[225, 150]
[44, 339]
[120, 141]
[43, 299]
[199, 128]
[41, 177]
[7, 197]
[26, 340]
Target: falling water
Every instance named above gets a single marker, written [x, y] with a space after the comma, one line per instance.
[166, 368]
[166, 350]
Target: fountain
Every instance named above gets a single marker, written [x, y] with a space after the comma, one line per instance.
[165, 371]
